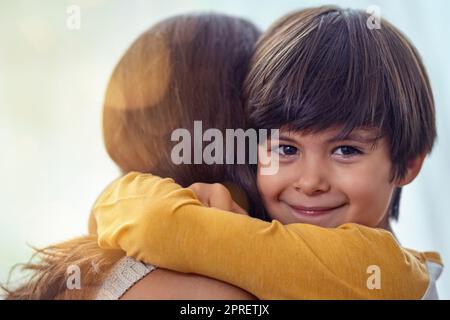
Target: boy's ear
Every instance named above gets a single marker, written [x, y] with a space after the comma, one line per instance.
[412, 170]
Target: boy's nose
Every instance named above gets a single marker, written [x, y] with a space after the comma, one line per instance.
[311, 179]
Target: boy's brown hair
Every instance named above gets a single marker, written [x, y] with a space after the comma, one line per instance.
[323, 67]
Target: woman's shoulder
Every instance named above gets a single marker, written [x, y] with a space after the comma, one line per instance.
[164, 284]
[130, 279]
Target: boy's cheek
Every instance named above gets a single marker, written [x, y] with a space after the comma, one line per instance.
[367, 178]
[368, 202]
[267, 185]
[270, 187]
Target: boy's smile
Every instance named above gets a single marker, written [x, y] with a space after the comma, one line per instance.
[327, 181]
[316, 213]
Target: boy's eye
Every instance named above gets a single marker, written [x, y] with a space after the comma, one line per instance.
[347, 151]
[286, 150]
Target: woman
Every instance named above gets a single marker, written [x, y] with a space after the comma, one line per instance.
[186, 68]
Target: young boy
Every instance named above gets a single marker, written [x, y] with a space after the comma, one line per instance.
[356, 118]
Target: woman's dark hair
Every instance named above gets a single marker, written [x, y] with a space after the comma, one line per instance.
[185, 69]
[323, 67]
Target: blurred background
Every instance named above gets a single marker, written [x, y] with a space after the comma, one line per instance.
[53, 75]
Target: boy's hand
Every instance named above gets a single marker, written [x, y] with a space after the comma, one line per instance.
[216, 195]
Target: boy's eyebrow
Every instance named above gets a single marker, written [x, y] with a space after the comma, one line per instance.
[372, 138]
[353, 136]
[287, 138]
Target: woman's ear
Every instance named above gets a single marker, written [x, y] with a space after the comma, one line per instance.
[412, 170]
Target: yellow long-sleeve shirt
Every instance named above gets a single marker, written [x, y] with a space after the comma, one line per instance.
[157, 221]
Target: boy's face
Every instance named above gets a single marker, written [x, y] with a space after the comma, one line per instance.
[328, 182]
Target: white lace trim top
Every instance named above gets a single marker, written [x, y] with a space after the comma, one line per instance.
[125, 273]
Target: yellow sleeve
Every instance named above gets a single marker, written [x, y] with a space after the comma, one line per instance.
[157, 221]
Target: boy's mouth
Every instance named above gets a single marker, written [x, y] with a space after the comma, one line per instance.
[313, 211]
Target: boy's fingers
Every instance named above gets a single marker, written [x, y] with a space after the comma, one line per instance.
[226, 203]
[220, 201]
[236, 208]
[216, 195]
[200, 196]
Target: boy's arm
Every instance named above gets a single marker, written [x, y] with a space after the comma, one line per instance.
[158, 222]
